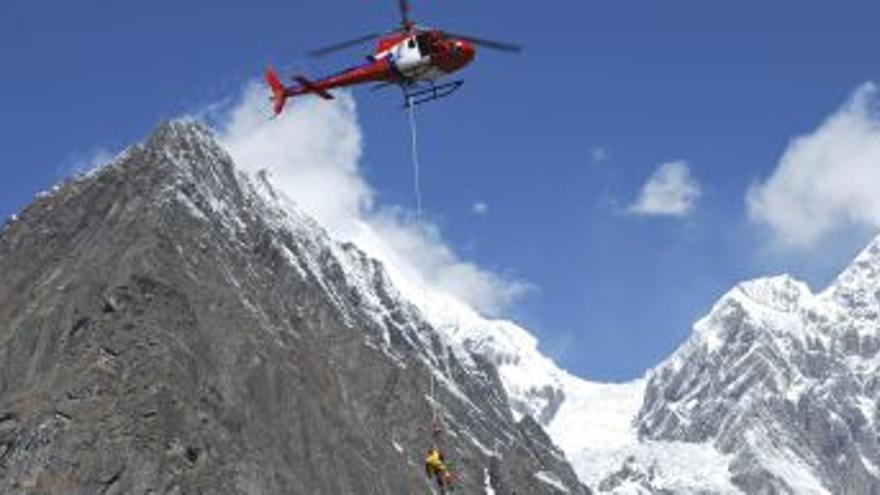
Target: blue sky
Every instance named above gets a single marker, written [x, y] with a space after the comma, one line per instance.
[557, 143]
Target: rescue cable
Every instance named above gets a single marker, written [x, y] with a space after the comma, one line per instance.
[417, 190]
[436, 423]
[415, 158]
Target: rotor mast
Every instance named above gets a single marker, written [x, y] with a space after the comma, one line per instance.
[405, 22]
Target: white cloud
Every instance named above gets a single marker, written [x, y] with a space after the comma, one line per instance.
[480, 209]
[826, 180]
[421, 259]
[312, 152]
[86, 163]
[670, 191]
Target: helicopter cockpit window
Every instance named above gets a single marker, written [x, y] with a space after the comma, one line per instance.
[425, 44]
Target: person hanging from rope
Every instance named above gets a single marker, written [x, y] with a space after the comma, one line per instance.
[435, 467]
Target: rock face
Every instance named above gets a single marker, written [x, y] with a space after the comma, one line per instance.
[784, 381]
[170, 326]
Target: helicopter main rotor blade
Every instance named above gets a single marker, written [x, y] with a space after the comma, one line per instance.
[495, 45]
[320, 52]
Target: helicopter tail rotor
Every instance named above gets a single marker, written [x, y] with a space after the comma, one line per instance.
[279, 93]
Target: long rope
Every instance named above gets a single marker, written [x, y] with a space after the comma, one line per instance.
[417, 189]
[433, 407]
[417, 166]
[436, 425]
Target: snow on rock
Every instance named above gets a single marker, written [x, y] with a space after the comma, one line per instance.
[552, 480]
[782, 380]
[785, 465]
[487, 482]
[597, 415]
[656, 467]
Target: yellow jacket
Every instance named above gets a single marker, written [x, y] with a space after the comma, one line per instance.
[434, 462]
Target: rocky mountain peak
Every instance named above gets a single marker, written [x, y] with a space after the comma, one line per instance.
[190, 138]
[188, 150]
[858, 287]
[782, 293]
[170, 325]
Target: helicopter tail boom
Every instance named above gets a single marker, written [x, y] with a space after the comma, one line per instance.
[310, 87]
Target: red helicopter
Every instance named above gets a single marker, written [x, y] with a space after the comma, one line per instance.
[411, 57]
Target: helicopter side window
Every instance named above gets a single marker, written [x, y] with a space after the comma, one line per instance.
[411, 43]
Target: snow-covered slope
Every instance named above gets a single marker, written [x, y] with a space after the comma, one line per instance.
[593, 423]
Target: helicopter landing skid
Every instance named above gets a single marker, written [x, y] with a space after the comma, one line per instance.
[425, 95]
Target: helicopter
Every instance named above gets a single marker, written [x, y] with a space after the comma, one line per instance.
[412, 57]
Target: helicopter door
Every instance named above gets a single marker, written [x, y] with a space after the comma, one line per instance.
[408, 57]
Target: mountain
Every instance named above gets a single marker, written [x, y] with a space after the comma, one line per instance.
[169, 325]
[784, 381]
